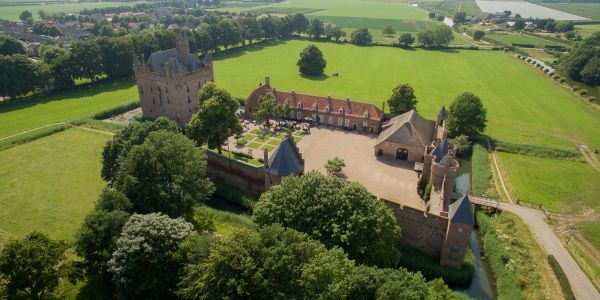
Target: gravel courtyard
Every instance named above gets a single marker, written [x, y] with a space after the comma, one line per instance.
[389, 179]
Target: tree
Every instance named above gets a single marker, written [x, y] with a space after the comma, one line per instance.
[565, 26]
[583, 61]
[478, 34]
[133, 134]
[311, 62]
[334, 166]
[431, 15]
[267, 26]
[299, 23]
[460, 17]
[402, 99]
[166, 173]
[215, 120]
[389, 30]
[9, 46]
[466, 116]
[316, 28]
[335, 212]
[142, 265]
[265, 109]
[591, 72]
[230, 33]
[519, 24]
[42, 14]
[31, 267]
[273, 263]
[116, 56]
[442, 35]
[19, 75]
[406, 39]
[282, 111]
[361, 36]
[25, 15]
[334, 32]
[463, 145]
[425, 38]
[251, 29]
[86, 59]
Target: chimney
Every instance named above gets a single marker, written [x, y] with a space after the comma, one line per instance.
[274, 90]
[267, 80]
[348, 103]
[293, 92]
[266, 158]
[383, 107]
[183, 46]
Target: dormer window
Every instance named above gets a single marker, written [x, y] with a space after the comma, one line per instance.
[314, 107]
[327, 109]
[299, 105]
[366, 115]
[341, 110]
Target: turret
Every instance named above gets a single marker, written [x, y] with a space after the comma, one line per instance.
[183, 46]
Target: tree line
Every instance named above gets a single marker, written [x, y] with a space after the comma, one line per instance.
[582, 63]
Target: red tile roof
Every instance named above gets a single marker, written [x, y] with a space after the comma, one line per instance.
[350, 107]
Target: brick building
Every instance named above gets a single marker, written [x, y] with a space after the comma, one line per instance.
[346, 114]
[169, 82]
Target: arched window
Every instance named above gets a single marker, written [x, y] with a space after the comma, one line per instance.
[314, 107]
[366, 114]
[341, 111]
[299, 105]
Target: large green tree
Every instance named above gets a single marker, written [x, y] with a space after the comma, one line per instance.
[9, 46]
[117, 54]
[335, 212]
[582, 63]
[300, 23]
[19, 75]
[143, 264]
[403, 99]
[133, 134]
[406, 39]
[334, 32]
[31, 267]
[316, 28]
[265, 108]
[311, 61]
[215, 121]
[275, 263]
[466, 116]
[361, 36]
[86, 59]
[166, 173]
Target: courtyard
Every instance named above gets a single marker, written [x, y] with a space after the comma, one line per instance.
[389, 179]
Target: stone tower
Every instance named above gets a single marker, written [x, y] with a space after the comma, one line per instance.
[169, 82]
[460, 224]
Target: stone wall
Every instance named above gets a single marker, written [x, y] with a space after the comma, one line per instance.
[246, 177]
[388, 150]
[424, 232]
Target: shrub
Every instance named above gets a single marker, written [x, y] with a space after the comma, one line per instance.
[415, 261]
[583, 92]
[592, 99]
[538, 151]
[234, 195]
[529, 59]
[241, 142]
[105, 114]
[427, 194]
[421, 185]
[556, 77]
[575, 88]
[562, 277]
[463, 145]
[562, 80]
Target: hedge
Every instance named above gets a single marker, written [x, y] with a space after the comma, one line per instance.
[523, 45]
[538, 151]
[562, 277]
[499, 259]
[105, 114]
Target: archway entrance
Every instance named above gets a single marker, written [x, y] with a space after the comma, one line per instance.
[402, 154]
[379, 152]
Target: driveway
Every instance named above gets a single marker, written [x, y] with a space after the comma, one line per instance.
[389, 179]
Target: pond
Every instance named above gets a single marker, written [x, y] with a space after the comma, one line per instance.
[482, 285]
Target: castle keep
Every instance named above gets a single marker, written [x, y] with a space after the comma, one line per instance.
[169, 82]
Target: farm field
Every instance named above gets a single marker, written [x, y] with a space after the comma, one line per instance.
[562, 186]
[587, 29]
[588, 10]
[592, 232]
[50, 184]
[77, 103]
[517, 38]
[526, 10]
[523, 105]
[449, 7]
[11, 10]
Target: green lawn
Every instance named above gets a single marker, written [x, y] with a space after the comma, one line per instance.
[225, 222]
[50, 184]
[587, 10]
[562, 186]
[524, 106]
[510, 38]
[10, 10]
[587, 29]
[591, 232]
[77, 103]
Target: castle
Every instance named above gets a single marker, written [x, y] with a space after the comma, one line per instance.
[169, 82]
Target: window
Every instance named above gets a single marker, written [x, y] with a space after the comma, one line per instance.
[365, 124]
[299, 115]
[366, 114]
[459, 229]
[168, 100]
[314, 108]
[340, 120]
[341, 110]
[292, 114]
[330, 120]
[327, 109]
[187, 88]
[347, 122]
[299, 105]
[189, 99]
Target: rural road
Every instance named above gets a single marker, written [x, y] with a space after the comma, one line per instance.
[581, 285]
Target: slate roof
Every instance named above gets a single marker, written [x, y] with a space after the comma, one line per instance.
[440, 150]
[442, 113]
[460, 211]
[285, 160]
[409, 129]
[158, 61]
[350, 107]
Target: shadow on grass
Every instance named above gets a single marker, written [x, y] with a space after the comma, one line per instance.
[241, 51]
[96, 288]
[321, 77]
[87, 90]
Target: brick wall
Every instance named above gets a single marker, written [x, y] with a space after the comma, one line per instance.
[248, 178]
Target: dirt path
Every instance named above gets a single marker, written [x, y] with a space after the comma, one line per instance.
[30, 130]
[589, 156]
[581, 285]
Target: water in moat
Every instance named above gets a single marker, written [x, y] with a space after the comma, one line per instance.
[481, 287]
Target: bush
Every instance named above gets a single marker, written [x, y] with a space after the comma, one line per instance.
[463, 145]
[415, 261]
[105, 114]
[421, 185]
[538, 151]
[499, 259]
[529, 59]
[562, 277]
[592, 99]
[562, 80]
[583, 92]
[234, 195]
[575, 88]
[241, 142]
[556, 77]
[427, 194]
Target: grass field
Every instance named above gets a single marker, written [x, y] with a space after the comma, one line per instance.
[510, 38]
[591, 232]
[587, 29]
[562, 186]
[50, 184]
[523, 105]
[77, 103]
[10, 10]
[588, 10]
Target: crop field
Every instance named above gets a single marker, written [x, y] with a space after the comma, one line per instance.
[524, 106]
[10, 10]
[510, 38]
[449, 7]
[561, 185]
[77, 103]
[526, 10]
[588, 10]
[587, 29]
[50, 184]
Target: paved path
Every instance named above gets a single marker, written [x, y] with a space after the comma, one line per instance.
[581, 285]
[534, 218]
